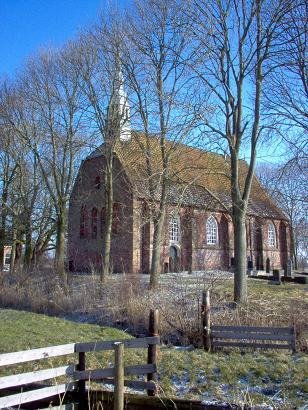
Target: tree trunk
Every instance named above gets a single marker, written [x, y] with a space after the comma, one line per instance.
[28, 245]
[106, 268]
[16, 253]
[2, 239]
[294, 249]
[3, 228]
[157, 249]
[60, 247]
[240, 280]
[13, 253]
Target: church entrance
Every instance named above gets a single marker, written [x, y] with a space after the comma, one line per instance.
[174, 259]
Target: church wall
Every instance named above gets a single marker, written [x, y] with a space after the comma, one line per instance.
[132, 245]
[260, 250]
[277, 254]
[86, 252]
[207, 256]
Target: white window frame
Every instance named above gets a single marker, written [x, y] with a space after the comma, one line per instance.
[7, 258]
[211, 231]
[271, 235]
[174, 229]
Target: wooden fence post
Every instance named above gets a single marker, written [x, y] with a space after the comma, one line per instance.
[152, 349]
[206, 320]
[81, 383]
[118, 376]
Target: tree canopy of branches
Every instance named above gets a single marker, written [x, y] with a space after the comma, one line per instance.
[42, 109]
[287, 184]
[155, 47]
[234, 68]
[234, 42]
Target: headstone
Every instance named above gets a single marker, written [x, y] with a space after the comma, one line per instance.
[268, 265]
[277, 276]
[249, 268]
[289, 268]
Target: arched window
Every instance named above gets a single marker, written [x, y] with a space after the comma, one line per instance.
[94, 223]
[211, 231]
[174, 229]
[98, 182]
[271, 235]
[83, 222]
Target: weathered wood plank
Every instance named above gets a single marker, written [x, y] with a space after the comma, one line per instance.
[36, 354]
[139, 369]
[97, 374]
[33, 395]
[36, 376]
[133, 401]
[251, 344]
[133, 384]
[253, 329]
[118, 390]
[251, 336]
[68, 406]
[109, 345]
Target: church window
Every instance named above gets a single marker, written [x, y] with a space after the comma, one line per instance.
[7, 259]
[98, 182]
[211, 231]
[174, 228]
[271, 234]
[83, 222]
[94, 223]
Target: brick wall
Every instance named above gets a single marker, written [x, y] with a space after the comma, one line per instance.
[84, 252]
[132, 242]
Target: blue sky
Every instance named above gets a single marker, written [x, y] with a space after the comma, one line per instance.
[27, 25]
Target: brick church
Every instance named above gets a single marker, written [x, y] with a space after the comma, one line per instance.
[198, 230]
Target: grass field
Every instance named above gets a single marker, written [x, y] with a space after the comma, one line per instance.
[279, 380]
[124, 301]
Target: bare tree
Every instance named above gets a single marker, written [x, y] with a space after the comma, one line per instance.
[287, 185]
[286, 93]
[7, 173]
[101, 82]
[155, 46]
[234, 41]
[26, 210]
[43, 110]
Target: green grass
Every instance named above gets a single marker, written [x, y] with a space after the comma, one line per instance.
[23, 330]
[230, 377]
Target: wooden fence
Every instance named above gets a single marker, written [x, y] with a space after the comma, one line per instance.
[218, 337]
[77, 375]
[252, 336]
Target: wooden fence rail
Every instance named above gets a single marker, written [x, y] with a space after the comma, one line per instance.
[255, 337]
[218, 336]
[77, 374]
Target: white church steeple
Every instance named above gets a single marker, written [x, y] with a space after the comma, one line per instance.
[119, 106]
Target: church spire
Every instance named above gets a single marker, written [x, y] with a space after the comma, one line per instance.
[119, 107]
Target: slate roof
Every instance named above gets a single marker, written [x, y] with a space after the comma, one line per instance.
[197, 178]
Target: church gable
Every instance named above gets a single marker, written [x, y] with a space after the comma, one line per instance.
[198, 230]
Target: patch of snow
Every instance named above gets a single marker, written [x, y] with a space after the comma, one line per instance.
[187, 348]
[181, 384]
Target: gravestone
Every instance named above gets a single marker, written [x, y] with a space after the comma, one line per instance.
[268, 265]
[277, 276]
[249, 268]
[288, 268]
